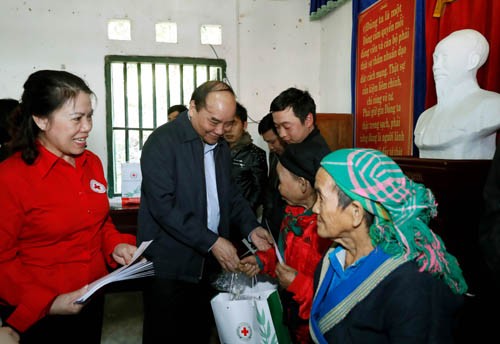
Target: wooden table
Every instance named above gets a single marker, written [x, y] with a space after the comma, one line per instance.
[125, 218]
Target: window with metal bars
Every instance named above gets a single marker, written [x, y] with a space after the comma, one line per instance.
[139, 90]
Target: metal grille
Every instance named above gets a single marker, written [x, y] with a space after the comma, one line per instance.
[139, 90]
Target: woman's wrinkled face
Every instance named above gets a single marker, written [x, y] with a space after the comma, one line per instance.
[290, 186]
[65, 131]
[333, 220]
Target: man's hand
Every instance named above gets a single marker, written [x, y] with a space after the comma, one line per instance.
[249, 266]
[261, 238]
[226, 254]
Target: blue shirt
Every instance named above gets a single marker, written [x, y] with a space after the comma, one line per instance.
[213, 211]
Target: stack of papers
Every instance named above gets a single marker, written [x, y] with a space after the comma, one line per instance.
[137, 268]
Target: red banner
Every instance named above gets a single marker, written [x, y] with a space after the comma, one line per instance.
[384, 77]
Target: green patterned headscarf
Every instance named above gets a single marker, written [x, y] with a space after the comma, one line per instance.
[401, 207]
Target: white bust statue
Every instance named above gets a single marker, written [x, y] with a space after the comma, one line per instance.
[463, 123]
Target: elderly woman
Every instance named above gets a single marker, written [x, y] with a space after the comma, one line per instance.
[387, 277]
[298, 242]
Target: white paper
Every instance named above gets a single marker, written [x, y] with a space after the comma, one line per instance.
[278, 254]
[135, 269]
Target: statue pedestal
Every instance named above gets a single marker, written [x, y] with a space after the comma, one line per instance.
[458, 188]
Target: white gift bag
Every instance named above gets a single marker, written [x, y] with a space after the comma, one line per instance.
[256, 316]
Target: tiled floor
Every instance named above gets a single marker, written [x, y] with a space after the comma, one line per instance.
[122, 318]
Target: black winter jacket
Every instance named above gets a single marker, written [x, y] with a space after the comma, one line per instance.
[249, 170]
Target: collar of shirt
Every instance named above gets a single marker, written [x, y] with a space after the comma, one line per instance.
[46, 160]
[207, 148]
[337, 262]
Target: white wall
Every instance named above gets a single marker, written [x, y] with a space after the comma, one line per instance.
[278, 48]
[335, 52]
[72, 35]
[269, 45]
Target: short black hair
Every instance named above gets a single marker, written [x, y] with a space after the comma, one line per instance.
[300, 101]
[266, 124]
[241, 112]
[179, 107]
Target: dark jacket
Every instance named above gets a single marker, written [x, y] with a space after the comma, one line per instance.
[316, 138]
[274, 205]
[489, 228]
[408, 306]
[249, 170]
[173, 210]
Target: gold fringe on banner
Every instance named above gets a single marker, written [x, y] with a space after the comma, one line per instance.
[438, 10]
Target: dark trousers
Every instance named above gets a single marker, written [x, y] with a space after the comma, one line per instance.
[82, 328]
[177, 312]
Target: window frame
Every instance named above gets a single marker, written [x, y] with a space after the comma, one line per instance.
[136, 59]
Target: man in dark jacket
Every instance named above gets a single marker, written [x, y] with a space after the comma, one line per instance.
[294, 115]
[249, 168]
[188, 204]
[274, 205]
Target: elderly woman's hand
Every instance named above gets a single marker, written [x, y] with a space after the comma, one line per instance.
[285, 274]
[8, 335]
[249, 266]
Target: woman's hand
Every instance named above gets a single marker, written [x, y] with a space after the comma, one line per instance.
[65, 303]
[285, 274]
[249, 266]
[8, 335]
[122, 254]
